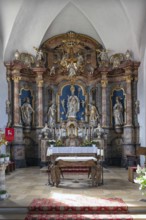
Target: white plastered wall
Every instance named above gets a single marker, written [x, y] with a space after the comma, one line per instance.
[142, 99]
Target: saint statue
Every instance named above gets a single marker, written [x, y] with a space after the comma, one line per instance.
[73, 104]
[118, 112]
[51, 115]
[26, 112]
[94, 114]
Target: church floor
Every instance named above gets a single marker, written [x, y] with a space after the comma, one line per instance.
[25, 184]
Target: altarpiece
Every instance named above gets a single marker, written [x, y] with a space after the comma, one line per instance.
[74, 92]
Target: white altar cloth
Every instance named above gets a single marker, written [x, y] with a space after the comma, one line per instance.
[75, 159]
[72, 150]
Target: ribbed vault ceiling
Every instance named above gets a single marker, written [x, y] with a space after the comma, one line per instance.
[117, 24]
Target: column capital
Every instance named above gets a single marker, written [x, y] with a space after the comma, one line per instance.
[16, 78]
[104, 82]
[39, 83]
[128, 78]
[128, 70]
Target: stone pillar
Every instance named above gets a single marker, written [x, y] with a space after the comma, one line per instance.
[2, 175]
[39, 80]
[104, 82]
[16, 78]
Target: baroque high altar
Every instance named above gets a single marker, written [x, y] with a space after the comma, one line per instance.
[72, 91]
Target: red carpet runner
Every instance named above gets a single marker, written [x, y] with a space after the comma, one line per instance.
[77, 207]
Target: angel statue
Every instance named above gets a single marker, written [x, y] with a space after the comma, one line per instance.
[116, 60]
[72, 69]
[80, 60]
[40, 58]
[128, 55]
[102, 57]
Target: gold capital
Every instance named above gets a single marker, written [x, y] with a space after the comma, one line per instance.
[40, 83]
[16, 78]
[104, 82]
[128, 79]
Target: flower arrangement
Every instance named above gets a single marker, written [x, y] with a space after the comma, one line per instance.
[87, 143]
[94, 142]
[3, 141]
[2, 192]
[52, 141]
[58, 143]
[141, 179]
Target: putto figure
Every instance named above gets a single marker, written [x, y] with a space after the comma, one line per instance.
[40, 58]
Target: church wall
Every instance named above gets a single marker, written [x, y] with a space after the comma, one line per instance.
[142, 99]
[3, 98]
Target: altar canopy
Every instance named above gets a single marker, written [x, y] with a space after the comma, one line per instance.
[73, 92]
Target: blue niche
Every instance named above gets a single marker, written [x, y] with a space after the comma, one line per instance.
[25, 94]
[66, 92]
[118, 93]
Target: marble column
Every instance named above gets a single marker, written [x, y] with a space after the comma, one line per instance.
[9, 101]
[129, 79]
[39, 81]
[128, 144]
[136, 108]
[16, 78]
[104, 82]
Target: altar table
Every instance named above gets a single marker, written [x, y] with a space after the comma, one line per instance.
[71, 150]
[88, 162]
[54, 152]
